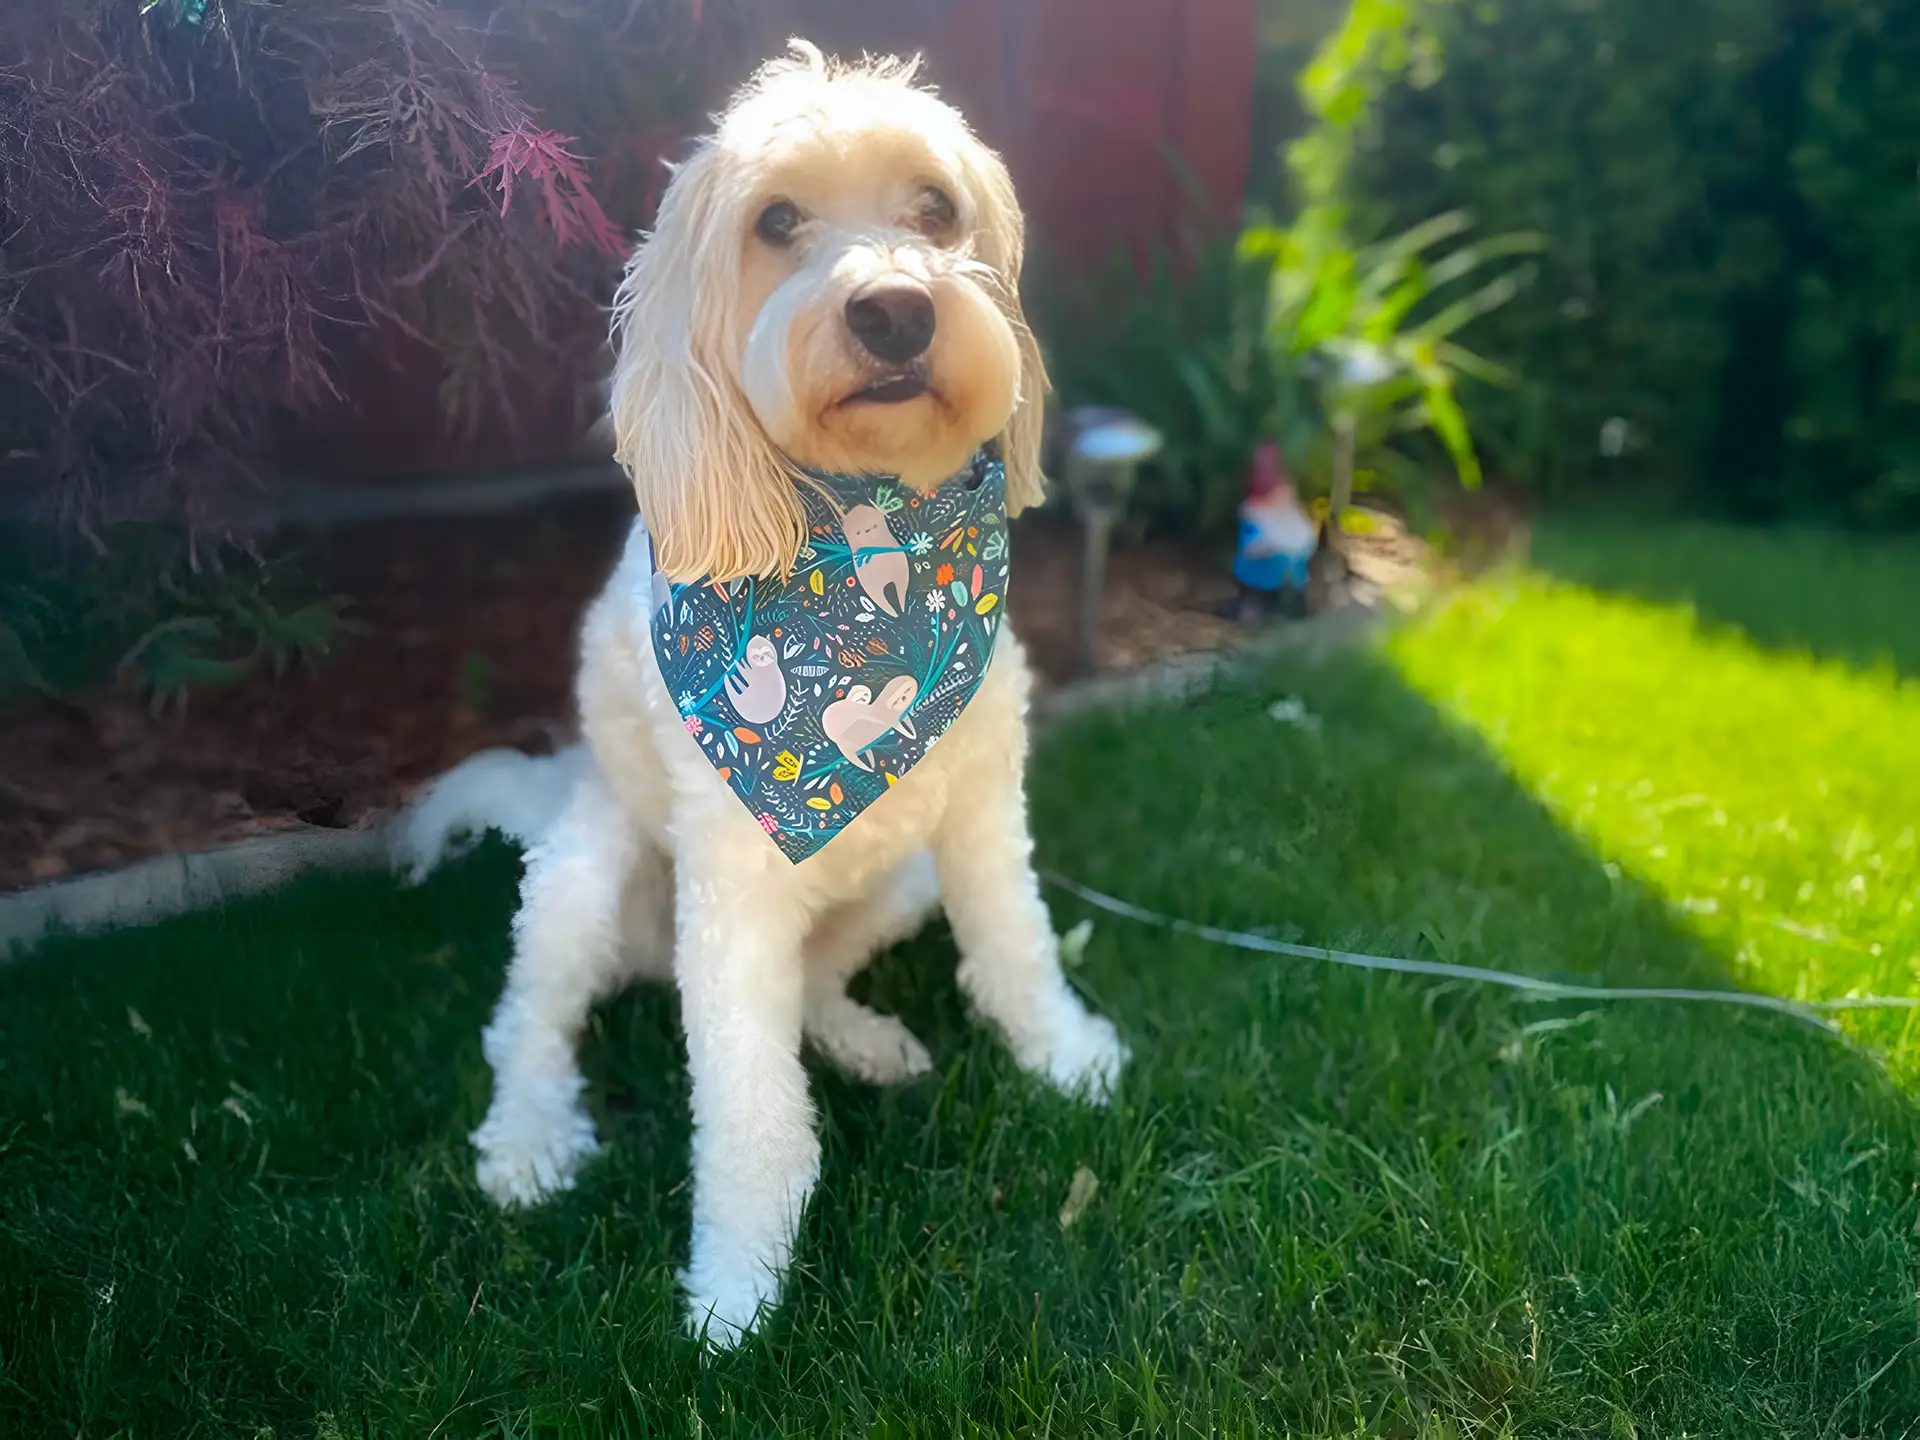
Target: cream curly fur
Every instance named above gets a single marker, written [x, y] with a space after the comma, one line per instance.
[735, 364]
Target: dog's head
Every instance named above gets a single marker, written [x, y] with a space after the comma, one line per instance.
[832, 283]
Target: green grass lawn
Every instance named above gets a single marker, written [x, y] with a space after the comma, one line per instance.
[236, 1196]
[1843, 597]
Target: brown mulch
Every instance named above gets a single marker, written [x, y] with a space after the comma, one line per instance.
[462, 637]
[1162, 599]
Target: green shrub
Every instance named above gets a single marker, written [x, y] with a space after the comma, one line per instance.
[1182, 346]
[1853, 357]
[150, 610]
[1730, 308]
[1374, 327]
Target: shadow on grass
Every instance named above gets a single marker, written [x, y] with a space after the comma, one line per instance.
[235, 1190]
[1842, 597]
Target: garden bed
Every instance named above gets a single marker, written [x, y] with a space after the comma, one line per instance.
[460, 634]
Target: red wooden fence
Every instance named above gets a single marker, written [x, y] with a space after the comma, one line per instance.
[1101, 107]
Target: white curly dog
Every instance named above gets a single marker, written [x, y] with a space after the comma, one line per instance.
[739, 359]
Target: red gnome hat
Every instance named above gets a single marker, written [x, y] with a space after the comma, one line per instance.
[1269, 472]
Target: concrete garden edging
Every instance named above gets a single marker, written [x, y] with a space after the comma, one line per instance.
[169, 885]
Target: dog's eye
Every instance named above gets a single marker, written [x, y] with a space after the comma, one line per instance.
[777, 223]
[938, 213]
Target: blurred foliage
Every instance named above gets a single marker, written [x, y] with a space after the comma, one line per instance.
[209, 212]
[152, 612]
[1181, 343]
[1378, 45]
[1729, 310]
[1375, 328]
[1289, 31]
[1292, 335]
[1344, 352]
[1852, 355]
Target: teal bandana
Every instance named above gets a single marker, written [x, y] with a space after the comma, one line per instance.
[811, 697]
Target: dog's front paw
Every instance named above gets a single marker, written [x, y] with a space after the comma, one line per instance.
[726, 1302]
[528, 1156]
[1085, 1058]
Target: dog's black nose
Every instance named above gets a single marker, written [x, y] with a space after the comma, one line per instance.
[892, 319]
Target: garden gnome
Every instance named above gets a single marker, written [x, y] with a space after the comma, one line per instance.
[1277, 539]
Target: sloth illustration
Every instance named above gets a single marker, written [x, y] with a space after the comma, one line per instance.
[857, 721]
[756, 685]
[883, 562]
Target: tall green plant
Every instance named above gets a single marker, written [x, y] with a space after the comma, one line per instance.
[1380, 322]
[1183, 347]
[1378, 45]
[1377, 320]
[1224, 350]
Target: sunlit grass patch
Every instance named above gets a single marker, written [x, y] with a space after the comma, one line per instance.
[1771, 797]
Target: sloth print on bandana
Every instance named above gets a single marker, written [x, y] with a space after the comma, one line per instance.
[812, 696]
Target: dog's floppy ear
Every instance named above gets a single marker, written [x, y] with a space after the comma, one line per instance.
[999, 241]
[717, 496]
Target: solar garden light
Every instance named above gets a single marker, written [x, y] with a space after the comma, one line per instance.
[1105, 447]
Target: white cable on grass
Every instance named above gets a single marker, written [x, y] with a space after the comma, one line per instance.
[1807, 1011]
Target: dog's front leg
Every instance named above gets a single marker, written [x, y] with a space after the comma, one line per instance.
[1009, 955]
[877, 1048]
[755, 1154]
[566, 954]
